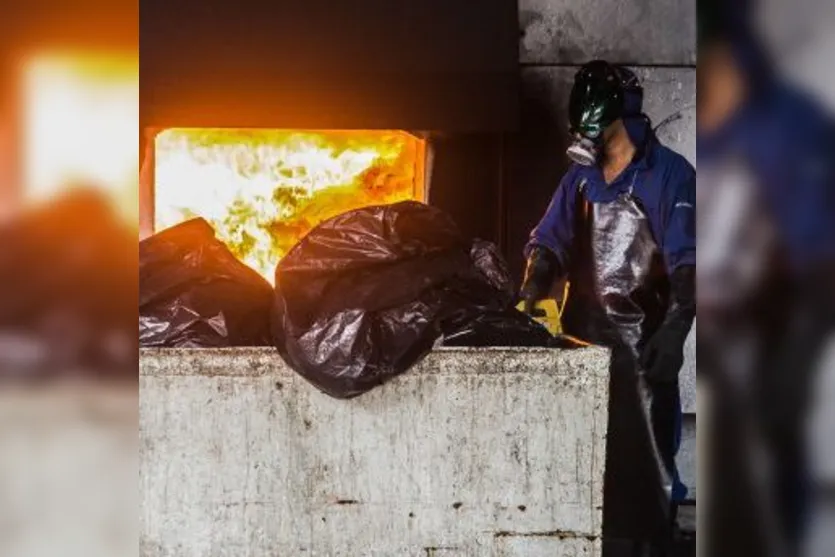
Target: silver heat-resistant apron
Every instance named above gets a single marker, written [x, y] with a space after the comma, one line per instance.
[618, 297]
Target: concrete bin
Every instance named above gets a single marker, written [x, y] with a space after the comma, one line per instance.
[493, 452]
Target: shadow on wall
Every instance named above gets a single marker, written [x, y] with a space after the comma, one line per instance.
[536, 160]
[560, 36]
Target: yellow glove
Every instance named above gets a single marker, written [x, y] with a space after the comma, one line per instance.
[548, 314]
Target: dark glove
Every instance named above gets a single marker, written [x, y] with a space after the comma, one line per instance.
[663, 355]
[542, 270]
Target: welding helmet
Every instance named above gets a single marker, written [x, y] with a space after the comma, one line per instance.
[602, 93]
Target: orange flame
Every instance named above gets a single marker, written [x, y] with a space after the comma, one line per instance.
[263, 190]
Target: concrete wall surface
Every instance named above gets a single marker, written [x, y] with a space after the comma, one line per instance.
[652, 32]
[68, 466]
[493, 452]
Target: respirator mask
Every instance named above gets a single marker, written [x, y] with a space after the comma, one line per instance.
[602, 93]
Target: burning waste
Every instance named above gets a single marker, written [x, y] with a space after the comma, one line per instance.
[357, 301]
[263, 190]
[366, 279]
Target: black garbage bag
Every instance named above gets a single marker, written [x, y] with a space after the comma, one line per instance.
[507, 327]
[498, 322]
[366, 294]
[492, 266]
[193, 292]
[69, 284]
[491, 319]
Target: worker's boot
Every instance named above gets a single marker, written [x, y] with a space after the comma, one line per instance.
[662, 547]
[653, 549]
[641, 549]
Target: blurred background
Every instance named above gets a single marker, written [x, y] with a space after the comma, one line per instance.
[69, 185]
[766, 275]
[69, 79]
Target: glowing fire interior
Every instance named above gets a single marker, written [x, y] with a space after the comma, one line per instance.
[263, 190]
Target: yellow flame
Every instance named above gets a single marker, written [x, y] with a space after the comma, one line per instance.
[263, 190]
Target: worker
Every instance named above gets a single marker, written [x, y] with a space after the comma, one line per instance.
[767, 147]
[621, 229]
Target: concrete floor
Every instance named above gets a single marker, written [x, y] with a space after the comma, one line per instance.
[687, 522]
[685, 545]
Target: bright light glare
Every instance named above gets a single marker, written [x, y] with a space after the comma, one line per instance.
[80, 126]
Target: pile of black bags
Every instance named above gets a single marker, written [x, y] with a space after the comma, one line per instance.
[358, 301]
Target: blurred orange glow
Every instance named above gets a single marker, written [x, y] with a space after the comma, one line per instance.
[262, 190]
[81, 113]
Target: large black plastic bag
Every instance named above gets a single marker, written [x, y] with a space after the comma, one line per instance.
[69, 284]
[193, 292]
[366, 294]
[499, 323]
[508, 327]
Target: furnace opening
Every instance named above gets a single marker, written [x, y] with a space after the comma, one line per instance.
[263, 190]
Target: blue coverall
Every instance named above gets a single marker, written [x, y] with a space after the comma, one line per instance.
[665, 187]
[787, 143]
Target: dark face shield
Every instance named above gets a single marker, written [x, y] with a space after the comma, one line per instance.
[597, 100]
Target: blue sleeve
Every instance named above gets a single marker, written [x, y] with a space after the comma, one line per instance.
[796, 171]
[678, 217]
[556, 229]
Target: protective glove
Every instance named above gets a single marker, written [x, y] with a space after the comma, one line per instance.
[663, 355]
[542, 270]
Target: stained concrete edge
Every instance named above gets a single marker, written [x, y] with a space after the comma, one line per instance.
[259, 361]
